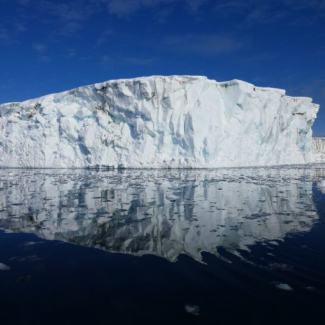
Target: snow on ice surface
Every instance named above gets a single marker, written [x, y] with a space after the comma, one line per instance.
[158, 122]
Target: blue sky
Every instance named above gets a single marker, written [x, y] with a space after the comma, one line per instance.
[49, 46]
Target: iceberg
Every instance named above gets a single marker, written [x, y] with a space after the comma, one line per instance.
[159, 122]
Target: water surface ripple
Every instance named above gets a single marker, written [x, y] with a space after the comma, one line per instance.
[265, 223]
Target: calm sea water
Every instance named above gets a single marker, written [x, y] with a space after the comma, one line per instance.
[222, 246]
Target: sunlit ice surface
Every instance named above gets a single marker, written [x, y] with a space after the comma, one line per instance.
[189, 245]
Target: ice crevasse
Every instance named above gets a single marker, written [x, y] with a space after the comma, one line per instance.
[159, 122]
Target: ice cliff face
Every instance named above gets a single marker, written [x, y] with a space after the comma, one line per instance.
[177, 121]
[319, 149]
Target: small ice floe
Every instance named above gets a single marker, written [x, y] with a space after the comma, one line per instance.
[31, 258]
[172, 197]
[321, 183]
[283, 286]
[321, 186]
[4, 267]
[32, 243]
[273, 242]
[280, 266]
[24, 278]
[191, 309]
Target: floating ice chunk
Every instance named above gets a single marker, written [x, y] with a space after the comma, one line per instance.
[283, 286]
[194, 310]
[32, 243]
[4, 267]
[321, 184]
[280, 266]
[24, 278]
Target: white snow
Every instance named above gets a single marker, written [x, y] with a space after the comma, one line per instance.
[158, 122]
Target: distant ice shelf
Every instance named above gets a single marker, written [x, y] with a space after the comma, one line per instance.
[159, 122]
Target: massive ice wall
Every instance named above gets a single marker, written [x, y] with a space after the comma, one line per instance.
[177, 121]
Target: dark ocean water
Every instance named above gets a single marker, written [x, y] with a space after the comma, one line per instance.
[224, 246]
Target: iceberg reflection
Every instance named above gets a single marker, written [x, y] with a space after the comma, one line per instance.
[161, 212]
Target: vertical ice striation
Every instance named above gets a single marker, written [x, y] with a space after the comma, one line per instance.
[176, 121]
[319, 149]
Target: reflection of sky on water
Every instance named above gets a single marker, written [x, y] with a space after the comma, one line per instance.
[161, 212]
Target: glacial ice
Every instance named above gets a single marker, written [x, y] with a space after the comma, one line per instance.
[319, 149]
[159, 122]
